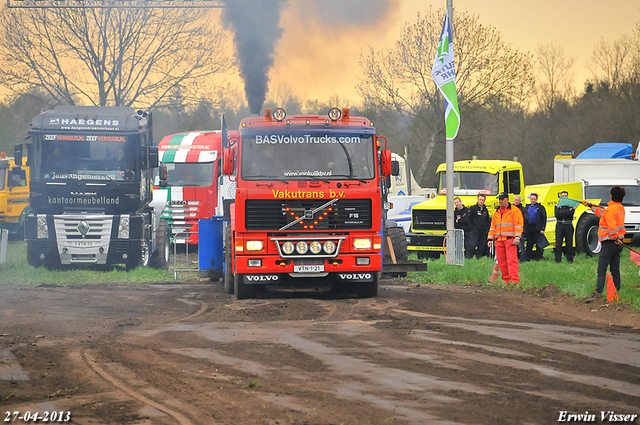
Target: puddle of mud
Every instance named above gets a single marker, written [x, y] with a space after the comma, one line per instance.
[10, 369]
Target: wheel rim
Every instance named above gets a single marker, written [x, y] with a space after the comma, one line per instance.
[592, 240]
[145, 253]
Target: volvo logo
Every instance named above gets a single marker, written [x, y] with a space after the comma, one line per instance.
[261, 277]
[83, 228]
[356, 276]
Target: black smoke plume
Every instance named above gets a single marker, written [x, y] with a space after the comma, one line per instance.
[256, 27]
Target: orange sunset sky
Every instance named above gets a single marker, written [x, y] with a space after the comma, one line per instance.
[317, 56]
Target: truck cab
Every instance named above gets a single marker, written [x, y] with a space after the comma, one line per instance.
[471, 178]
[14, 195]
[91, 189]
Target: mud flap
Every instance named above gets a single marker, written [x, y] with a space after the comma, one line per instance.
[354, 277]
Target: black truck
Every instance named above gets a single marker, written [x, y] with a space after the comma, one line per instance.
[91, 189]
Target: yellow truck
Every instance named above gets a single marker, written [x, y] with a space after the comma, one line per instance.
[14, 195]
[585, 222]
[471, 178]
[489, 178]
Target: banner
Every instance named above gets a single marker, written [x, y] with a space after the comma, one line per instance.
[444, 75]
[568, 202]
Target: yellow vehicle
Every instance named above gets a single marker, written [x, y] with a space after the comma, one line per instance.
[585, 222]
[471, 178]
[14, 195]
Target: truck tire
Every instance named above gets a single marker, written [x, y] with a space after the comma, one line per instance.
[141, 260]
[160, 258]
[587, 235]
[228, 266]
[399, 244]
[241, 290]
[368, 289]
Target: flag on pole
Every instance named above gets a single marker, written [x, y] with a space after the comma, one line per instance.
[569, 202]
[444, 75]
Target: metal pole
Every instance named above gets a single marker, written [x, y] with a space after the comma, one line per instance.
[407, 168]
[449, 150]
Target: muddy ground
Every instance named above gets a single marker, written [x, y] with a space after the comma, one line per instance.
[188, 353]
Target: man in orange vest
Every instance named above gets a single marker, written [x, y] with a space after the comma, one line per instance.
[506, 231]
[610, 233]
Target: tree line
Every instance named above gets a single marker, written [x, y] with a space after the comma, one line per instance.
[176, 63]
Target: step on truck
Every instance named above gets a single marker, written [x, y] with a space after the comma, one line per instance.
[91, 189]
[14, 195]
[307, 203]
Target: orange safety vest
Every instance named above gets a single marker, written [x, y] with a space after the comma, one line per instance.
[611, 225]
[506, 223]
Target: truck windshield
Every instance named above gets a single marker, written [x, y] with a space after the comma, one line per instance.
[197, 174]
[85, 157]
[308, 156]
[631, 199]
[470, 183]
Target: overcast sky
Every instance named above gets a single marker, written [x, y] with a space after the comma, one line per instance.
[317, 56]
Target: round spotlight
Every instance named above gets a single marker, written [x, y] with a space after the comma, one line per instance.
[279, 114]
[288, 248]
[315, 247]
[42, 221]
[329, 247]
[334, 114]
[302, 247]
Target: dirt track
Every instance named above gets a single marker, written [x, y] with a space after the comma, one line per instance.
[189, 354]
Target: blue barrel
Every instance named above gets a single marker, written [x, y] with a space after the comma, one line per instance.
[210, 248]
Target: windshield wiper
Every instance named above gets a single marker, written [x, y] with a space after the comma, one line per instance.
[347, 176]
[264, 176]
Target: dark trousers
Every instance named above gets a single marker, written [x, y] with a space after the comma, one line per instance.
[477, 243]
[564, 232]
[609, 257]
[532, 234]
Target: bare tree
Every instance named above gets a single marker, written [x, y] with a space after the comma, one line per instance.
[556, 79]
[488, 71]
[611, 63]
[110, 56]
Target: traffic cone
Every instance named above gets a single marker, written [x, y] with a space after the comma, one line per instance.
[494, 273]
[612, 293]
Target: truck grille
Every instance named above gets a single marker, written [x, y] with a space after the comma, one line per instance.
[274, 214]
[429, 219]
[181, 217]
[97, 227]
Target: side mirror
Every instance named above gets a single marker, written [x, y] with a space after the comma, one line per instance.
[17, 154]
[395, 168]
[385, 162]
[163, 175]
[153, 157]
[227, 161]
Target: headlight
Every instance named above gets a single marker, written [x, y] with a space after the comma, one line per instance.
[329, 247]
[362, 243]
[123, 228]
[254, 245]
[315, 247]
[288, 248]
[302, 247]
[43, 229]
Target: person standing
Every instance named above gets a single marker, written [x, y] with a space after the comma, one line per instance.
[461, 217]
[517, 201]
[610, 233]
[506, 233]
[535, 228]
[564, 229]
[479, 223]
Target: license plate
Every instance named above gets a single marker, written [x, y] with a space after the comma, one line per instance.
[82, 243]
[315, 268]
[83, 257]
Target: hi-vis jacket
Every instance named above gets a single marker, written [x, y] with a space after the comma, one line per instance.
[611, 225]
[506, 223]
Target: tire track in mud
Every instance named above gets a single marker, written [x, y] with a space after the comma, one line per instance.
[95, 366]
[203, 307]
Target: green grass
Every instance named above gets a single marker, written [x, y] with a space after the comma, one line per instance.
[16, 271]
[577, 279]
